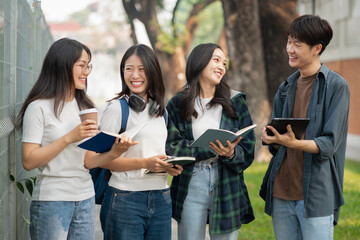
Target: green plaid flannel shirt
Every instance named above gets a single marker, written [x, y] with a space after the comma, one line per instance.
[232, 203]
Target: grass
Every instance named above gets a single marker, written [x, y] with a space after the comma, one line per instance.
[261, 228]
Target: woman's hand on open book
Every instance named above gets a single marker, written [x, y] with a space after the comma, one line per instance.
[227, 151]
[122, 145]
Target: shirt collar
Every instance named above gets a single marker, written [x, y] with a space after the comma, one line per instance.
[323, 71]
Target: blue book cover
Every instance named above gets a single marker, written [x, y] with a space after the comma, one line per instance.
[103, 141]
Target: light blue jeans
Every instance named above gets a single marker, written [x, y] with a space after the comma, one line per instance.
[198, 204]
[290, 223]
[59, 220]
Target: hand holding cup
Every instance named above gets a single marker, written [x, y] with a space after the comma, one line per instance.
[89, 114]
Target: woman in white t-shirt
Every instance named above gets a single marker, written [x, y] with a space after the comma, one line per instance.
[138, 205]
[63, 205]
[212, 190]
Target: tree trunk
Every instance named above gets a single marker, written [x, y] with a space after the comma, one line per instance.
[276, 17]
[173, 68]
[247, 63]
[172, 64]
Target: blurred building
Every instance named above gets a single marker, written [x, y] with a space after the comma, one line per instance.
[103, 28]
[343, 54]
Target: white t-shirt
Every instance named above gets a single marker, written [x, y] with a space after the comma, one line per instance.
[152, 139]
[207, 117]
[64, 178]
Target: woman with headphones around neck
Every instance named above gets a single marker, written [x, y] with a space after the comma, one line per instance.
[138, 205]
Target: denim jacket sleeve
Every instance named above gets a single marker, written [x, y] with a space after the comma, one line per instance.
[335, 117]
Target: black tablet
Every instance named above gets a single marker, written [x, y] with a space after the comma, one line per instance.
[298, 125]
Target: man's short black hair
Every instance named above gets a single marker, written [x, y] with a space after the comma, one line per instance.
[311, 30]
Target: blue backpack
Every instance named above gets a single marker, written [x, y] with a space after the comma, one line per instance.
[101, 176]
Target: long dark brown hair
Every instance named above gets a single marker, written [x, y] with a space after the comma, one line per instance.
[156, 88]
[56, 77]
[198, 59]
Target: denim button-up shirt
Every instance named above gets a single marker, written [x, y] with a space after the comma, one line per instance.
[323, 172]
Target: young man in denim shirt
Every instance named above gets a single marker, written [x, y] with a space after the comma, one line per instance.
[303, 186]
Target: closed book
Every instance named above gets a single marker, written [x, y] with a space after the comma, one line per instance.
[182, 161]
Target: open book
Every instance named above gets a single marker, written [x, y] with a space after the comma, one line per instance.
[103, 141]
[175, 160]
[211, 135]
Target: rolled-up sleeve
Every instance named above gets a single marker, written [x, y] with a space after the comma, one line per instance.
[335, 122]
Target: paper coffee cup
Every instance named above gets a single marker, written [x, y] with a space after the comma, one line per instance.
[90, 114]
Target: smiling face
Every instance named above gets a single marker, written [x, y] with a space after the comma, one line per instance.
[301, 55]
[135, 77]
[79, 74]
[214, 70]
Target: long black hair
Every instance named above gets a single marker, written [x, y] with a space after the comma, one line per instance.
[56, 78]
[198, 59]
[156, 88]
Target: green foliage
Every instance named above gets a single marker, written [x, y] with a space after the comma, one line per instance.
[166, 42]
[29, 184]
[181, 17]
[26, 221]
[160, 4]
[211, 23]
[20, 186]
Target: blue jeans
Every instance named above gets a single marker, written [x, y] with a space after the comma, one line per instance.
[136, 215]
[62, 220]
[290, 223]
[198, 204]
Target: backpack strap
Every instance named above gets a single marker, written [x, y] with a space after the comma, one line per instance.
[101, 176]
[124, 114]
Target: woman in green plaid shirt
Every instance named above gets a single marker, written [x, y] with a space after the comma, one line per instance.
[212, 190]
